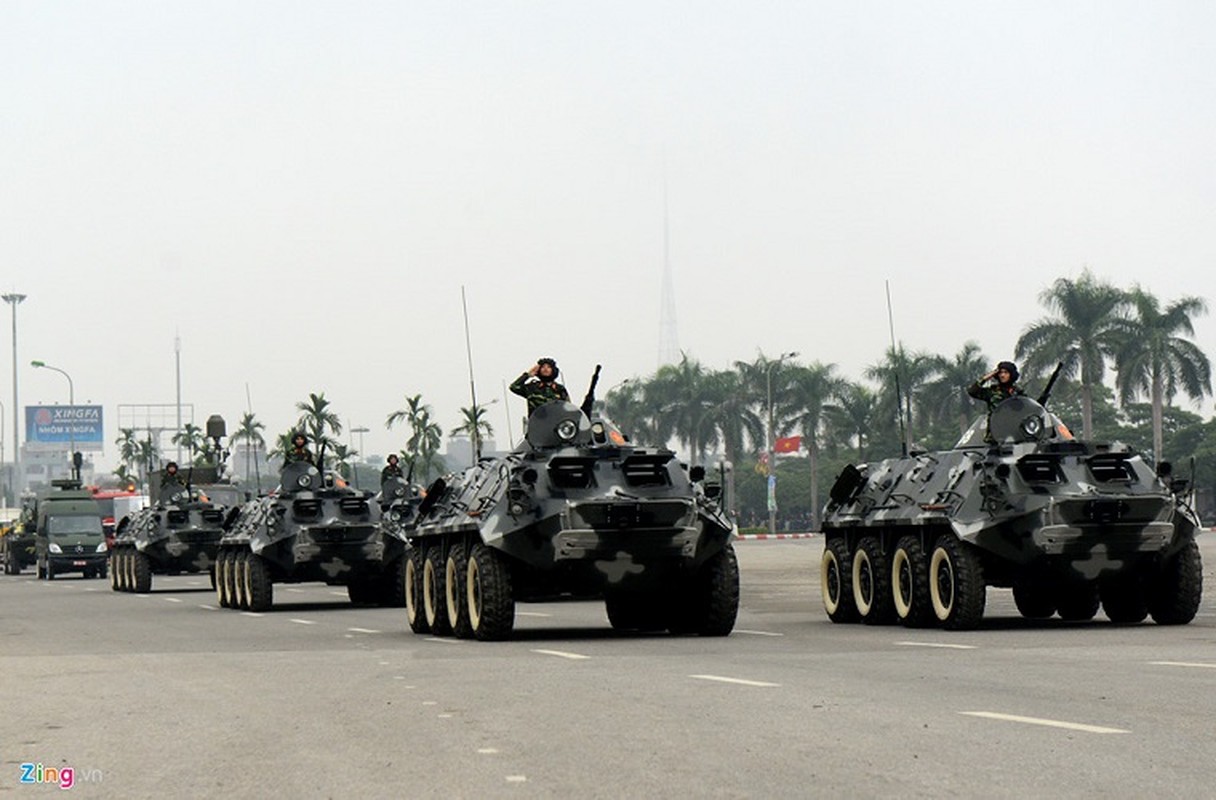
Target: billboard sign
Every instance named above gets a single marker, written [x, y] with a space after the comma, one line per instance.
[57, 427]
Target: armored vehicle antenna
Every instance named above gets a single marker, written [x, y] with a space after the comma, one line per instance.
[1051, 382]
[899, 395]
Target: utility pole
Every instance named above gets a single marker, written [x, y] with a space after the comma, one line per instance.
[14, 299]
[772, 460]
[177, 365]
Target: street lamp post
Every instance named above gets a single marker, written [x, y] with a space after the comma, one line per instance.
[14, 300]
[772, 463]
[71, 404]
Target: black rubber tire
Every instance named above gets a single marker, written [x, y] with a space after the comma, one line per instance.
[240, 580]
[836, 581]
[1077, 602]
[872, 583]
[48, 571]
[230, 580]
[211, 574]
[260, 583]
[488, 587]
[1178, 588]
[434, 607]
[141, 569]
[1123, 600]
[910, 584]
[221, 578]
[415, 617]
[956, 584]
[114, 573]
[1034, 599]
[364, 592]
[716, 594]
[391, 589]
[636, 611]
[455, 594]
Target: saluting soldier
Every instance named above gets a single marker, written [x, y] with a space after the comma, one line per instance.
[1006, 386]
[539, 385]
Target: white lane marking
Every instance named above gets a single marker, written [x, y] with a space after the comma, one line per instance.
[758, 633]
[340, 594]
[143, 596]
[532, 614]
[445, 716]
[517, 779]
[363, 630]
[430, 702]
[295, 590]
[442, 641]
[252, 614]
[172, 600]
[209, 608]
[739, 681]
[487, 751]
[563, 654]
[1194, 664]
[302, 621]
[941, 645]
[1048, 723]
[90, 588]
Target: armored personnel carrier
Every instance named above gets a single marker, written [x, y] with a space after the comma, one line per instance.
[314, 528]
[17, 538]
[574, 511]
[179, 533]
[1020, 503]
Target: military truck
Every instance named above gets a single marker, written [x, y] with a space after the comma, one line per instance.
[314, 528]
[68, 536]
[575, 511]
[17, 538]
[179, 533]
[1018, 502]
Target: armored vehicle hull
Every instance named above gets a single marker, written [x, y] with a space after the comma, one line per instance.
[576, 511]
[16, 550]
[182, 537]
[309, 531]
[1068, 525]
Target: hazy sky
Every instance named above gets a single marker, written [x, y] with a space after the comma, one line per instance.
[301, 188]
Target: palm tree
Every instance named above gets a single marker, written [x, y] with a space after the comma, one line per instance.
[675, 392]
[1156, 360]
[250, 432]
[475, 425]
[910, 372]
[149, 454]
[319, 421]
[811, 390]
[282, 444]
[128, 448]
[413, 411]
[125, 477]
[191, 438]
[342, 457]
[947, 394]
[854, 413]
[730, 410]
[625, 405]
[1086, 329]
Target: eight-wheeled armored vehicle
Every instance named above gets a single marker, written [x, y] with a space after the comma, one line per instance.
[314, 528]
[179, 533]
[1017, 503]
[575, 511]
[17, 538]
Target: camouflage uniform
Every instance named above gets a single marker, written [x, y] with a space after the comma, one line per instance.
[538, 392]
[994, 393]
[297, 454]
[171, 481]
[391, 471]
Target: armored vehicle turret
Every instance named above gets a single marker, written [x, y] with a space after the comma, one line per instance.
[179, 533]
[1018, 502]
[314, 528]
[575, 511]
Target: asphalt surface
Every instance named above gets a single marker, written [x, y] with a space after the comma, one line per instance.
[167, 695]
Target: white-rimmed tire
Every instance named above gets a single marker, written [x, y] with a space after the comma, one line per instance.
[910, 584]
[222, 563]
[415, 616]
[956, 584]
[836, 581]
[872, 583]
[141, 571]
[434, 605]
[259, 587]
[455, 595]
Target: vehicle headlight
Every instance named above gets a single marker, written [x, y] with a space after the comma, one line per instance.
[567, 429]
[304, 480]
[1032, 426]
[54, 548]
[395, 516]
[399, 492]
[101, 548]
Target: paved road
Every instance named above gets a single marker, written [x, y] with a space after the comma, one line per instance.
[166, 695]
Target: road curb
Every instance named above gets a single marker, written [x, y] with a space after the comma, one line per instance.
[759, 537]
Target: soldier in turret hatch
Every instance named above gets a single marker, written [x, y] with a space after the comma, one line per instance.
[169, 479]
[299, 450]
[393, 470]
[539, 385]
[1006, 386]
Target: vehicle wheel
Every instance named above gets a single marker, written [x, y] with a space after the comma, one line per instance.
[230, 580]
[836, 582]
[433, 603]
[1178, 588]
[240, 580]
[39, 571]
[713, 603]
[259, 586]
[872, 583]
[1077, 602]
[142, 570]
[413, 569]
[211, 574]
[488, 594]
[221, 578]
[1123, 600]
[636, 611]
[10, 563]
[956, 584]
[390, 590]
[114, 573]
[49, 570]
[1033, 599]
[128, 563]
[363, 593]
[910, 584]
[455, 597]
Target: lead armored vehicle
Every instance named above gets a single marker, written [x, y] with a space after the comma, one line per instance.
[179, 533]
[314, 528]
[1020, 503]
[575, 511]
[17, 538]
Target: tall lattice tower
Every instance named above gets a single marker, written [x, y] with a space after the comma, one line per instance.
[669, 336]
